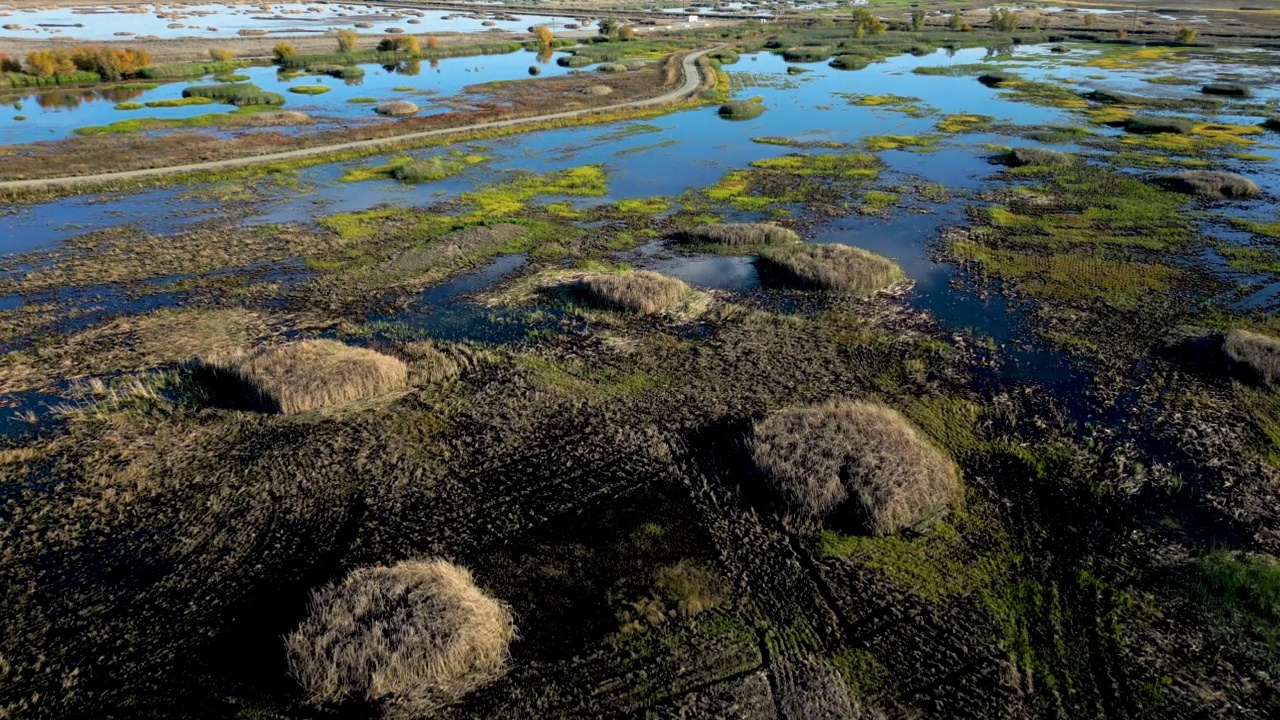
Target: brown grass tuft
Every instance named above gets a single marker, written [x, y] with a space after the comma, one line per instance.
[738, 234]
[302, 376]
[832, 267]
[1210, 184]
[861, 457]
[635, 291]
[411, 638]
[1261, 353]
[397, 108]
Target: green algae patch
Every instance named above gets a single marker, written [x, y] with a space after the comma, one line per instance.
[914, 143]
[958, 123]
[411, 170]
[510, 197]
[910, 106]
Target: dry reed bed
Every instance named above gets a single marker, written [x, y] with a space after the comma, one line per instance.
[642, 292]
[738, 235]
[838, 268]
[411, 637]
[859, 458]
[1260, 353]
[1210, 183]
[302, 376]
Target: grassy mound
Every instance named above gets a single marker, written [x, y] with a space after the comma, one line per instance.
[832, 267]
[1022, 157]
[455, 248]
[996, 78]
[575, 61]
[310, 89]
[430, 169]
[1272, 123]
[742, 109]
[859, 458]
[238, 94]
[738, 235]
[1260, 353]
[1148, 124]
[806, 53]
[411, 637]
[397, 108]
[612, 67]
[1227, 90]
[302, 376]
[726, 56]
[1209, 184]
[635, 291]
[849, 62]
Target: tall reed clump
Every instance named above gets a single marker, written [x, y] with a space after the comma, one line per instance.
[301, 376]
[737, 235]
[1260, 353]
[410, 638]
[642, 292]
[838, 268]
[862, 460]
[239, 94]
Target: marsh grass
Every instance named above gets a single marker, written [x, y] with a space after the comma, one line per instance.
[742, 109]
[412, 637]
[806, 54]
[1209, 183]
[1151, 124]
[738, 235]
[1227, 90]
[837, 268]
[1256, 351]
[1022, 157]
[862, 458]
[239, 94]
[641, 292]
[301, 376]
[310, 89]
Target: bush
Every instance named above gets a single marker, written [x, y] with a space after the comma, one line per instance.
[612, 67]
[1186, 35]
[1147, 124]
[407, 44]
[1209, 184]
[861, 459]
[221, 55]
[1227, 89]
[535, 70]
[806, 53]
[741, 109]
[838, 268]
[738, 235]
[411, 637]
[726, 56]
[301, 376]
[1260, 353]
[635, 291]
[310, 89]
[284, 51]
[239, 94]
[397, 108]
[347, 40]
[1022, 157]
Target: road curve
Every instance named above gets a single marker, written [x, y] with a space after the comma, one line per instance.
[688, 68]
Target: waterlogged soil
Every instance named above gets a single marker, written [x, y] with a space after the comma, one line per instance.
[576, 459]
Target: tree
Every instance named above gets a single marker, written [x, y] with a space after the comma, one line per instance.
[957, 20]
[543, 35]
[433, 41]
[409, 44]
[347, 40]
[1186, 34]
[867, 22]
[221, 55]
[1004, 20]
[626, 32]
[608, 27]
[917, 19]
[284, 51]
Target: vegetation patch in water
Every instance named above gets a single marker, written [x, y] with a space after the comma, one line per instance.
[412, 170]
[959, 123]
[910, 106]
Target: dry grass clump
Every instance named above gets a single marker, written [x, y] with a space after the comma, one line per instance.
[738, 235]
[832, 267]
[1261, 353]
[397, 108]
[642, 292]
[1022, 157]
[860, 457]
[454, 248]
[302, 376]
[411, 637]
[1210, 184]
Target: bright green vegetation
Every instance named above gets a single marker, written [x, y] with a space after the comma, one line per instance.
[849, 62]
[806, 54]
[310, 89]
[510, 197]
[791, 142]
[915, 143]
[177, 71]
[179, 102]
[23, 80]
[149, 124]
[411, 170]
[231, 78]
[768, 183]
[363, 100]
[1271, 230]
[1170, 80]
[239, 94]
[1240, 590]
[910, 106]
[960, 123]
[129, 106]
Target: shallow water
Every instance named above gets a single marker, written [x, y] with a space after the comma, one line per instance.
[58, 114]
[215, 20]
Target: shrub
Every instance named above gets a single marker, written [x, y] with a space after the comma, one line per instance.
[310, 89]
[1209, 184]
[239, 94]
[1004, 20]
[1227, 89]
[301, 376]
[1021, 157]
[612, 67]
[347, 40]
[956, 22]
[832, 267]
[996, 78]
[626, 33]
[862, 459]
[407, 44]
[221, 55]
[726, 56]
[397, 108]
[741, 109]
[806, 53]
[1147, 124]
[284, 51]
[543, 35]
[1186, 35]
[1260, 353]
[9, 65]
[738, 235]
[635, 291]
[411, 637]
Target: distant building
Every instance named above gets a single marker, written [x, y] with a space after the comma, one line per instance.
[693, 18]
